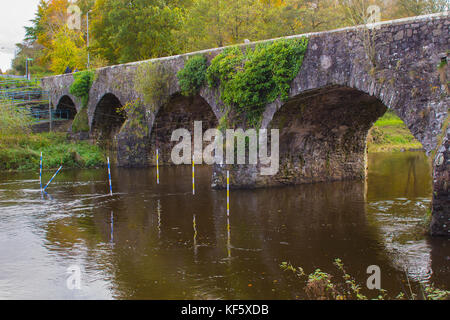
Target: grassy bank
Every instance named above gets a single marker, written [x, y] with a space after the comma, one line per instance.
[22, 152]
[390, 134]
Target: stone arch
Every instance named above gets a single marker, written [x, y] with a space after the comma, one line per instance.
[66, 107]
[323, 135]
[107, 118]
[178, 112]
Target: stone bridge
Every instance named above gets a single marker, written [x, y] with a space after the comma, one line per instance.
[333, 102]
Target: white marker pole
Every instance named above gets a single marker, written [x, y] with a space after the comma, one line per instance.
[109, 176]
[228, 193]
[193, 176]
[157, 166]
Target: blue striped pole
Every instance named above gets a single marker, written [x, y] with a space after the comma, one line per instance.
[109, 175]
[52, 178]
[40, 173]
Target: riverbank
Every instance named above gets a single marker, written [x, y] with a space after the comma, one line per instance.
[22, 152]
[390, 134]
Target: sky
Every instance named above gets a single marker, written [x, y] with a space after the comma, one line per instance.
[14, 15]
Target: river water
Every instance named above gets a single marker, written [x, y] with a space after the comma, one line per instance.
[151, 241]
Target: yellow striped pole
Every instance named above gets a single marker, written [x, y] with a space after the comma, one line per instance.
[157, 166]
[228, 193]
[193, 176]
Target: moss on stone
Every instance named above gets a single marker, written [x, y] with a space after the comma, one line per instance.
[153, 82]
[81, 121]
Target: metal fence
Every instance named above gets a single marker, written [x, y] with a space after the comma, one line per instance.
[13, 76]
[28, 96]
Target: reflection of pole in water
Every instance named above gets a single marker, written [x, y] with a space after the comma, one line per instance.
[228, 238]
[109, 177]
[158, 210]
[195, 238]
[112, 227]
[411, 169]
[40, 173]
[157, 166]
[48, 195]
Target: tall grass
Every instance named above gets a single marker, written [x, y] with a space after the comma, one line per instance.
[13, 119]
[22, 152]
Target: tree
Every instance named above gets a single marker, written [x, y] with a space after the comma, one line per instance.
[418, 7]
[67, 50]
[126, 31]
[216, 23]
[37, 27]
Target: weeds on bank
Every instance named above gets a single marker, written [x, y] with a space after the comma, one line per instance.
[320, 285]
[21, 151]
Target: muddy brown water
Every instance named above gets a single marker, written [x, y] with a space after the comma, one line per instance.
[143, 242]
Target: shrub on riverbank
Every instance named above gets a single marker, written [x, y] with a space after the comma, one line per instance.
[320, 285]
[22, 152]
[390, 134]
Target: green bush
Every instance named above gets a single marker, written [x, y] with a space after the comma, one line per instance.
[81, 121]
[193, 76]
[22, 152]
[153, 81]
[81, 85]
[248, 82]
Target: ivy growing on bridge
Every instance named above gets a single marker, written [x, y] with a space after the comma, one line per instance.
[80, 88]
[192, 77]
[81, 85]
[248, 80]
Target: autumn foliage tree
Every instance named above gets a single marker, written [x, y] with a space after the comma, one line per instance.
[130, 30]
[67, 50]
